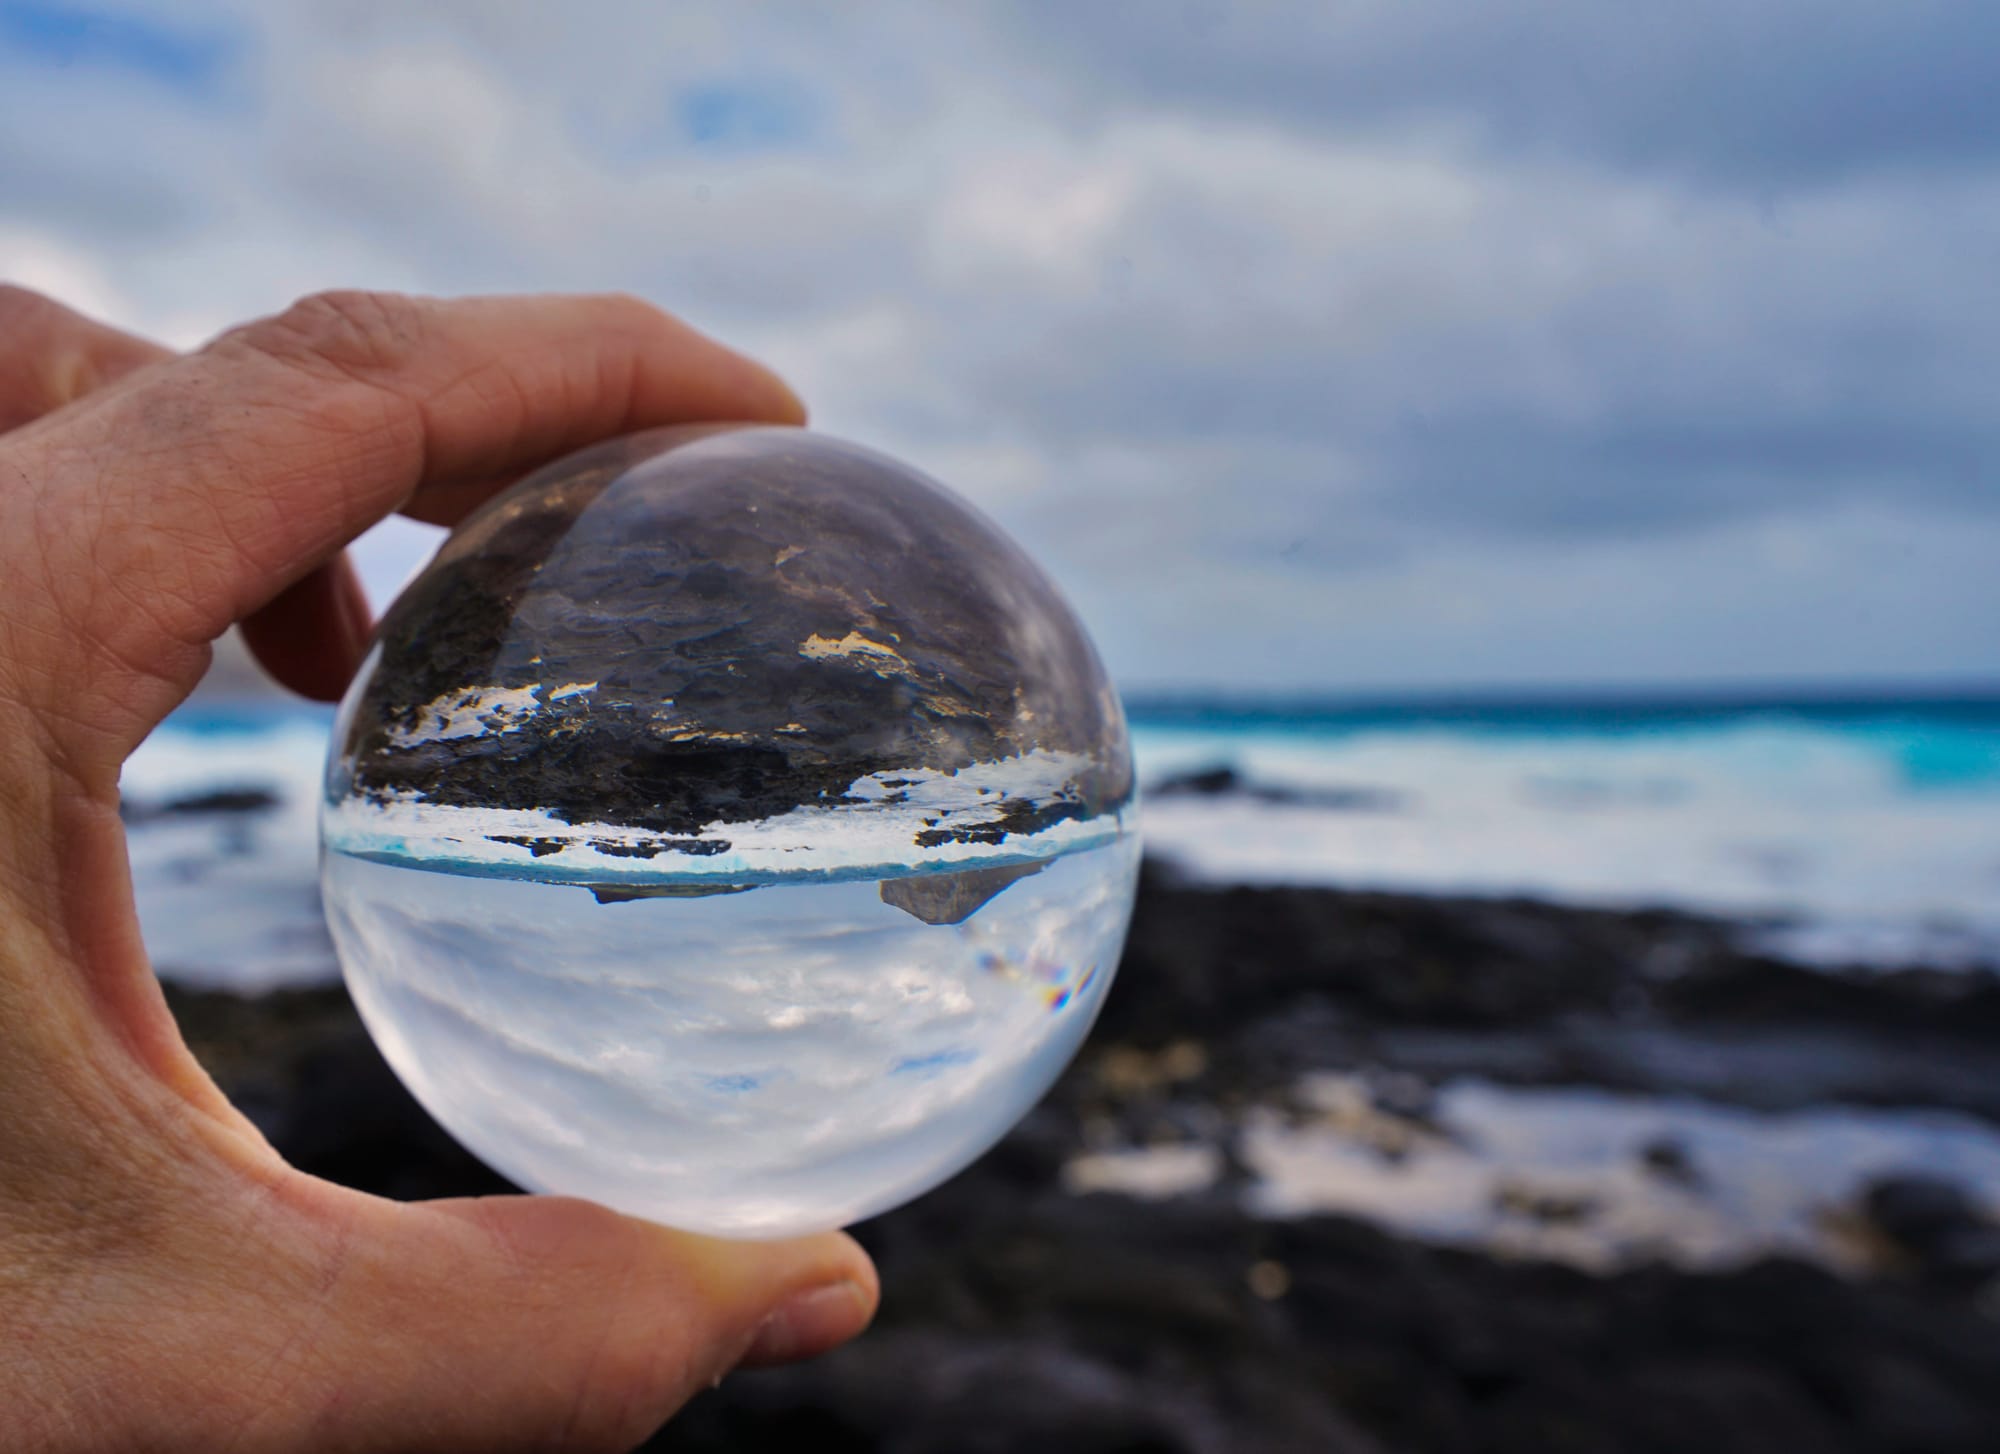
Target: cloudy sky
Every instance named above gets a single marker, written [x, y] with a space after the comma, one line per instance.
[1322, 345]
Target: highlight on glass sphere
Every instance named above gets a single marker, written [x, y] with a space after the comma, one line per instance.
[732, 826]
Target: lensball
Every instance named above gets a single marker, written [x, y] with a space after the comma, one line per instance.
[731, 826]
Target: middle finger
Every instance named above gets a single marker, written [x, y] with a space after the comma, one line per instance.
[51, 355]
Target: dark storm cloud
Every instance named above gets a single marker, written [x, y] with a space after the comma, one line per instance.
[1763, 95]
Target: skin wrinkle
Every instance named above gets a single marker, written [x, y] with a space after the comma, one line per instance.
[346, 334]
[94, 708]
[255, 542]
[581, 1402]
[36, 530]
[75, 622]
[373, 433]
[287, 1367]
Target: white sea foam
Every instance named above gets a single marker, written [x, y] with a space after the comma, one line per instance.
[1564, 1174]
[232, 901]
[1825, 835]
[876, 830]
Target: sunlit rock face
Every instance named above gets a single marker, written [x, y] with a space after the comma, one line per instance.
[730, 825]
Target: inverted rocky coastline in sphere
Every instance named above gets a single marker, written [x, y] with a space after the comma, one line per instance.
[751, 622]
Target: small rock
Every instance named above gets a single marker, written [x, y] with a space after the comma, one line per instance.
[1540, 1204]
[1935, 1221]
[1207, 782]
[1269, 1280]
[1668, 1158]
[215, 802]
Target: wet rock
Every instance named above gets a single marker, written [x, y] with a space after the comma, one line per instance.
[1896, 1402]
[1668, 1158]
[216, 802]
[1206, 782]
[1286, 979]
[998, 1395]
[1948, 1236]
[1017, 1317]
[952, 898]
[1225, 781]
[1548, 1206]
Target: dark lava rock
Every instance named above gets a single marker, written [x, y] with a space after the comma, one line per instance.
[1224, 781]
[1540, 1204]
[1668, 1158]
[215, 802]
[753, 618]
[1205, 782]
[1948, 1235]
[1748, 989]
[1018, 1318]
[952, 898]
[1281, 979]
[1225, 955]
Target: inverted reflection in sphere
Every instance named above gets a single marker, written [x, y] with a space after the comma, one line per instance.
[731, 826]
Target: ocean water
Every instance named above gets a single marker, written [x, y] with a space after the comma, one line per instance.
[1864, 832]
[231, 900]
[742, 1060]
[1857, 833]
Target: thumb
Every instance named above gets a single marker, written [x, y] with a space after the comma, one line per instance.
[533, 1322]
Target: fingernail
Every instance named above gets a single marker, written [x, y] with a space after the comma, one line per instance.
[810, 1323]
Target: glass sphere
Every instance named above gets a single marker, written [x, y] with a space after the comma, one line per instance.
[732, 826]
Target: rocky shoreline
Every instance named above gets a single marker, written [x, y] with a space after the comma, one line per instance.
[1020, 1313]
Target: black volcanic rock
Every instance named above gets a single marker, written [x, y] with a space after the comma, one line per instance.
[215, 802]
[952, 898]
[1948, 1236]
[1223, 780]
[1018, 1317]
[722, 624]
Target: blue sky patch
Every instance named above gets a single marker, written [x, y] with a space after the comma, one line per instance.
[741, 115]
[63, 35]
[922, 1064]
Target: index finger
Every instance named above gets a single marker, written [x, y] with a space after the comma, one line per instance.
[197, 491]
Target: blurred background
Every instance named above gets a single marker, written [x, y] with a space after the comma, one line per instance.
[1531, 468]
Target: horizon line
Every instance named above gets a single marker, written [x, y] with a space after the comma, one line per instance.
[1817, 692]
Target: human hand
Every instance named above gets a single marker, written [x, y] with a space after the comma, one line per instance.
[166, 1281]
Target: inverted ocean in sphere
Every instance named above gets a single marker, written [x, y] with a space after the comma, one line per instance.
[732, 826]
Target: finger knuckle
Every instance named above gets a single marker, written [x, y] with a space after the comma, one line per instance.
[349, 331]
[631, 310]
[24, 312]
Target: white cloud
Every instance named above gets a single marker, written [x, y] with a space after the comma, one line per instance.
[1290, 390]
[35, 259]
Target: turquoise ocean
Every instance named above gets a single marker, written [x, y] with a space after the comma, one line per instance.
[1839, 830]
